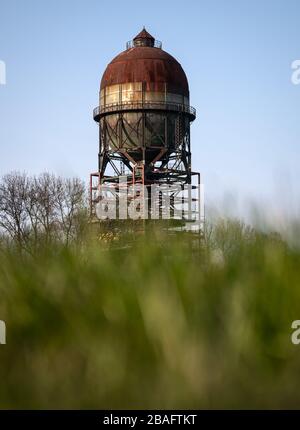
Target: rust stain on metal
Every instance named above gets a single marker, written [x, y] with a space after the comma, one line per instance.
[147, 64]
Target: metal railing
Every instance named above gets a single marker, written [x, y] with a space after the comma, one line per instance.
[156, 44]
[129, 106]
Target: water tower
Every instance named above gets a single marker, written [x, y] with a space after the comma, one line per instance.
[144, 117]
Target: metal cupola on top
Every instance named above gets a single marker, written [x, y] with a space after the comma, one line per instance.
[144, 116]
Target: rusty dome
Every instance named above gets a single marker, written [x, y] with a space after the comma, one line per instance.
[144, 62]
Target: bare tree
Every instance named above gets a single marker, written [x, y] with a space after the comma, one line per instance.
[40, 210]
[13, 219]
[69, 204]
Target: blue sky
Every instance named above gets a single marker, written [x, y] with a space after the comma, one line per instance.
[237, 56]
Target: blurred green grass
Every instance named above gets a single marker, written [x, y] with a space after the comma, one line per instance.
[158, 321]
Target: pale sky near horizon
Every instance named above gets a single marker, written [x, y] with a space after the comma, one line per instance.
[237, 56]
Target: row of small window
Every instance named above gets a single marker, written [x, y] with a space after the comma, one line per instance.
[132, 92]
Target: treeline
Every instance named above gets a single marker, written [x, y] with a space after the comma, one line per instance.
[40, 210]
[37, 212]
